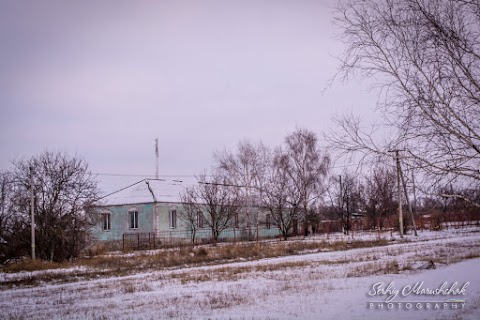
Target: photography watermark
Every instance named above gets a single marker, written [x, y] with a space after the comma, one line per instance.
[417, 296]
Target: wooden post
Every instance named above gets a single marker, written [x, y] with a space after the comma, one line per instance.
[32, 212]
[408, 202]
[399, 190]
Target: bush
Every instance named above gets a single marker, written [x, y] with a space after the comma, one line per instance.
[201, 252]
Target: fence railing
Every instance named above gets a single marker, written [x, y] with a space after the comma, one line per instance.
[176, 238]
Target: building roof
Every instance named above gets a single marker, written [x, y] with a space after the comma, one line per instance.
[145, 191]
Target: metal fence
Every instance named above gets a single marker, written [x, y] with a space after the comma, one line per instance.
[177, 238]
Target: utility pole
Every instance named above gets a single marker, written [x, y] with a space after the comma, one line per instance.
[340, 198]
[399, 190]
[414, 193]
[408, 202]
[340, 202]
[32, 211]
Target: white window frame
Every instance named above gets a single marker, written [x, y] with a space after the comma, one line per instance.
[133, 219]
[107, 221]
[200, 219]
[172, 217]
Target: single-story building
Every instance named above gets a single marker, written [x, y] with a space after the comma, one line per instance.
[148, 213]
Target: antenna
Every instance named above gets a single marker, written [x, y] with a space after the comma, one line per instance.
[156, 156]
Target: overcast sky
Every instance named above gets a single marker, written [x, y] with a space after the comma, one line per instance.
[105, 78]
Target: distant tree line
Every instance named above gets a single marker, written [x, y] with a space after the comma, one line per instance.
[295, 186]
[63, 190]
[372, 195]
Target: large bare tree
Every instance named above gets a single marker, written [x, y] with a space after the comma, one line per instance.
[280, 195]
[307, 167]
[424, 58]
[64, 190]
[294, 181]
[246, 169]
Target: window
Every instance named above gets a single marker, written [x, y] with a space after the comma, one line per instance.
[133, 219]
[200, 219]
[106, 221]
[268, 222]
[236, 222]
[173, 219]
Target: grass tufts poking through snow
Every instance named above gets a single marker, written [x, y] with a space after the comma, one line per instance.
[125, 264]
[307, 279]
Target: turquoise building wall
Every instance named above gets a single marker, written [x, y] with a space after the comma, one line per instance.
[155, 217]
[120, 221]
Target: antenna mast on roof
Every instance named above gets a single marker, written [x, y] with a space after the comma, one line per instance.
[156, 156]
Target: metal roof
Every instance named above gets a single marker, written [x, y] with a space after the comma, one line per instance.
[145, 191]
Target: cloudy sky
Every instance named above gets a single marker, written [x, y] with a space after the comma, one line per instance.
[105, 78]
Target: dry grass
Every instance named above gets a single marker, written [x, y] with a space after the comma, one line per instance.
[222, 300]
[366, 269]
[230, 281]
[30, 265]
[121, 265]
[130, 286]
[193, 256]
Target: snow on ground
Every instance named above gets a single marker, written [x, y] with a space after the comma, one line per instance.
[326, 285]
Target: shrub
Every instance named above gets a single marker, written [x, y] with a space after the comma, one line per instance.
[201, 252]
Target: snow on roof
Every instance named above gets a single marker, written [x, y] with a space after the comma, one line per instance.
[145, 191]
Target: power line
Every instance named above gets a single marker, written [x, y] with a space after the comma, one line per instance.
[142, 175]
[345, 165]
[116, 191]
[225, 184]
[166, 182]
[110, 174]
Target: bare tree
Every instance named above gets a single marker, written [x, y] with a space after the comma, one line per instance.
[246, 169]
[219, 199]
[307, 167]
[350, 198]
[6, 214]
[424, 57]
[64, 190]
[379, 193]
[189, 212]
[280, 196]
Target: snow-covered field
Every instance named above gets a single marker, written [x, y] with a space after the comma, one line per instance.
[366, 283]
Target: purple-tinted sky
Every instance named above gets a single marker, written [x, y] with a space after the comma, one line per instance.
[105, 78]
